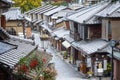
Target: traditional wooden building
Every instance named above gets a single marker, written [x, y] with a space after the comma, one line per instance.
[14, 21]
[111, 30]
[4, 6]
[12, 49]
[86, 30]
[37, 15]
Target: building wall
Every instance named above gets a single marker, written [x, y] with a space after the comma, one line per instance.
[34, 16]
[94, 32]
[104, 29]
[28, 32]
[116, 70]
[31, 16]
[60, 24]
[14, 24]
[114, 23]
[115, 29]
[67, 25]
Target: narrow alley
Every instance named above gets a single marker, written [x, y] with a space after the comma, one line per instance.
[64, 70]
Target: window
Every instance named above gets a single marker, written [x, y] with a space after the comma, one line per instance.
[109, 31]
[85, 32]
[75, 27]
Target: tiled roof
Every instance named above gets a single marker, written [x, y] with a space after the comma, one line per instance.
[38, 21]
[60, 32]
[8, 1]
[116, 53]
[12, 57]
[68, 38]
[14, 13]
[75, 6]
[46, 9]
[4, 47]
[112, 10]
[41, 8]
[63, 13]
[84, 15]
[3, 34]
[92, 20]
[90, 47]
[33, 10]
[12, 54]
[57, 21]
[54, 10]
[45, 26]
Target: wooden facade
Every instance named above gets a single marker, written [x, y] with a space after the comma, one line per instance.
[113, 25]
[116, 69]
[14, 24]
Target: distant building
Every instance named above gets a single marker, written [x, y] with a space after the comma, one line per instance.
[4, 6]
[14, 21]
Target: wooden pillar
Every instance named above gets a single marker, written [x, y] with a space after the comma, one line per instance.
[67, 25]
[28, 32]
[3, 21]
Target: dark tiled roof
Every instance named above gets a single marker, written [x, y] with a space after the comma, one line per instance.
[68, 38]
[14, 13]
[90, 47]
[4, 47]
[7, 1]
[86, 16]
[11, 54]
[12, 57]
[41, 8]
[3, 34]
[112, 10]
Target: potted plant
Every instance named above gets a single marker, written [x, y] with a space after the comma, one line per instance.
[65, 55]
[90, 73]
[70, 59]
[108, 71]
[49, 74]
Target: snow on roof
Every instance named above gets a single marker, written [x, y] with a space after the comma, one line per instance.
[90, 47]
[14, 13]
[112, 10]
[54, 10]
[83, 15]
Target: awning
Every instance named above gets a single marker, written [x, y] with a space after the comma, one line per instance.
[66, 44]
[57, 38]
[90, 47]
[60, 32]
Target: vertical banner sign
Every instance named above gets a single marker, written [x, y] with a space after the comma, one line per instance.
[88, 62]
[105, 65]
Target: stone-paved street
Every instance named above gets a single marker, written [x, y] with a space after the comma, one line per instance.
[64, 70]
